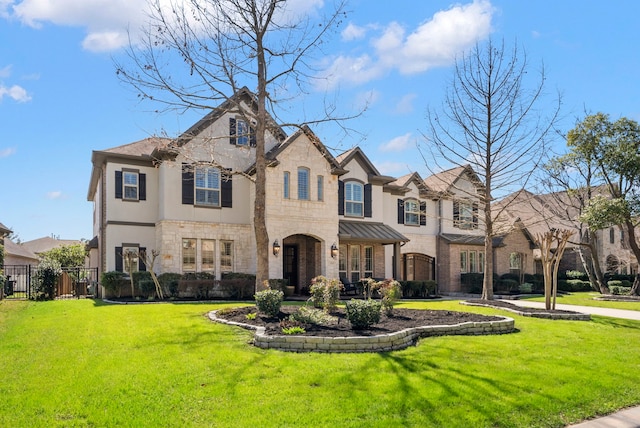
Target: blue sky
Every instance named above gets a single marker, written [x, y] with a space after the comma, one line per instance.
[60, 97]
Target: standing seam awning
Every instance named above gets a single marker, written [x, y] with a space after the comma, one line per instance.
[369, 232]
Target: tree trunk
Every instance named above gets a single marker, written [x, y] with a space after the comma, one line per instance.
[631, 233]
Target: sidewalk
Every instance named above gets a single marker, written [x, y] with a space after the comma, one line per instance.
[628, 418]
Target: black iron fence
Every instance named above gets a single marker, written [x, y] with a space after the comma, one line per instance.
[74, 283]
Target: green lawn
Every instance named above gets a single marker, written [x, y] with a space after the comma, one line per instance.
[586, 298]
[85, 363]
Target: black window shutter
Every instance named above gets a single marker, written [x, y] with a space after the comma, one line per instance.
[367, 201]
[340, 197]
[118, 184]
[232, 130]
[187, 184]
[119, 267]
[456, 211]
[141, 266]
[400, 211]
[142, 187]
[475, 215]
[226, 191]
[252, 136]
[423, 213]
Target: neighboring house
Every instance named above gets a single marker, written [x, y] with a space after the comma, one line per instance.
[4, 232]
[539, 213]
[18, 254]
[42, 245]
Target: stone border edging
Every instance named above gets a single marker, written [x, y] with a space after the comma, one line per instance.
[381, 343]
[576, 316]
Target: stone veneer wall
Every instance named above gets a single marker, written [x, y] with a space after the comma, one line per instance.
[381, 343]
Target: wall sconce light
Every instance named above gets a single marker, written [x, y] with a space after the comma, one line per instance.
[276, 248]
[334, 251]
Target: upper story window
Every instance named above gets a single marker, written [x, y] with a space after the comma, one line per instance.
[320, 188]
[465, 215]
[241, 133]
[412, 212]
[353, 199]
[130, 185]
[303, 184]
[207, 186]
[286, 180]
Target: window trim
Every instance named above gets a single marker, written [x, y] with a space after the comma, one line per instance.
[135, 186]
[415, 212]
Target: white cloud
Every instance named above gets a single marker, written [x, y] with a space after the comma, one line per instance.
[5, 72]
[392, 168]
[353, 32]
[398, 144]
[405, 105]
[433, 43]
[54, 195]
[5, 153]
[17, 93]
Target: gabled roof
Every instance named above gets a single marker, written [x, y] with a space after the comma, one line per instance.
[47, 243]
[230, 105]
[444, 182]
[358, 155]
[272, 155]
[18, 250]
[4, 230]
[401, 185]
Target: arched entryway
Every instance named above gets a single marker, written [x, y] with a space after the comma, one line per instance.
[301, 260]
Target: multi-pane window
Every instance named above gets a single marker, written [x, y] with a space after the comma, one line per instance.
[188, 255]
[465, 215]
[130, 259]
[130, 185]
[207, 183]
[412, 212]
[514, 261]
[226, 256]
[208, 255]
[303, 184]
[368, 261]
[286, 180]
[463, 262]
[242, 132]
[354, 256]
[473, 261]
[481, 261]
[353, 199]
[342, 261]
[320, 188]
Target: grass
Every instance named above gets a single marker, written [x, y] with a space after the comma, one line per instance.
[586, 298]
[82, 363]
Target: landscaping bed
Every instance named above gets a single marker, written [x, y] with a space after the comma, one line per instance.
[338, 326]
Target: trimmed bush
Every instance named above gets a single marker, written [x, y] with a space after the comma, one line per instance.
[112, 281]
[526, 288]
[619, 290]
[146, 287]
[169, 283]
[362, 314]
[472, 282]
[325, 293]
[509, 285]
[269, 301]
[46, 279]
[576, 274]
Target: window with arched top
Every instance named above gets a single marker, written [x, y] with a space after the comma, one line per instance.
[303, 184]
[353, 199]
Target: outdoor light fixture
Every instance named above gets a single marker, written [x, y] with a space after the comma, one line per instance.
[334, 251]
[276, 248]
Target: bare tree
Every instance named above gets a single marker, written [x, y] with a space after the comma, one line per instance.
[196, 54]
[552, 245]
[491, 120]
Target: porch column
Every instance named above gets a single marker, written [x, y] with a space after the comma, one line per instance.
[397, 261]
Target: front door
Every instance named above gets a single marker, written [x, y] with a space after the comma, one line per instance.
[290, 261]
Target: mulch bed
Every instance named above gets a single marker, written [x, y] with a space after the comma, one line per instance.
[341, 327]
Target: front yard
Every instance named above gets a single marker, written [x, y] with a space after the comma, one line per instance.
[86, 363]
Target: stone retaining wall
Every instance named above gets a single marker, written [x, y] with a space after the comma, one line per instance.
[385, 342]
[569, 316]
